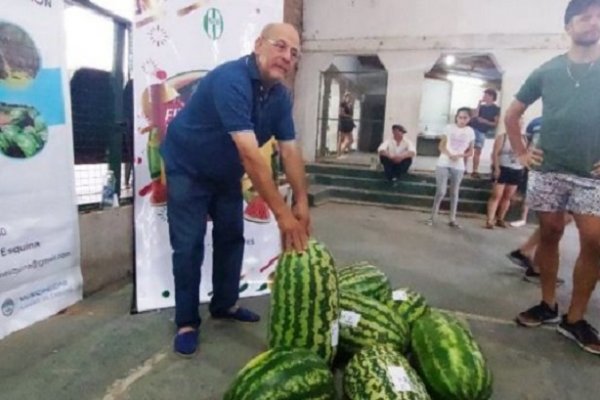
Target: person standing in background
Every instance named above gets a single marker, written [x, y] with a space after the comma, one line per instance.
[485, 119]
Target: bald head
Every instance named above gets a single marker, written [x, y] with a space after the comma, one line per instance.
[277, 51]
[278, 28]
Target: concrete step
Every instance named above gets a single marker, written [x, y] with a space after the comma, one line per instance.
[367, 173]
[410, 187]
[322, 194]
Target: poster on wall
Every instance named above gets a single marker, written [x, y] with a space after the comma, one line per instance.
[39, 234]
[176, 42]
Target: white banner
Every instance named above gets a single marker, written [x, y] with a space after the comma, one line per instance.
[39, 233]
[176, 42]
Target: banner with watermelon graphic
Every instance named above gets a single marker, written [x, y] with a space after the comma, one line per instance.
[176, 42]
[39, 232]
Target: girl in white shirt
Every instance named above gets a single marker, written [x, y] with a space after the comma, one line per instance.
[455, 146]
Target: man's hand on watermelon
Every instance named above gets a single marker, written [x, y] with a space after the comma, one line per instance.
[293, 232]
[296, 176]
[301, 212]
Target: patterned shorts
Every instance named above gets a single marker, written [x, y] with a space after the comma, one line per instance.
[556, 192]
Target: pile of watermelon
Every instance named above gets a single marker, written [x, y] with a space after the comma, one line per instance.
[388, 344]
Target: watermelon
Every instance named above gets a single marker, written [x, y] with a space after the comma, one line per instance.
[365, 321]
[304, 302]
[364, 278]
[408, 305]
[283, 374]
[381, 373]
[449, 359]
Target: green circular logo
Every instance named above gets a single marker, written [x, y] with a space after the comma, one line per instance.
[213, 23]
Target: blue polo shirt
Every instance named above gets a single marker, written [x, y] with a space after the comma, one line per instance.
[228, 99]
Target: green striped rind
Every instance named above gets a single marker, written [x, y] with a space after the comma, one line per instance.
[283, 374]
[449, 359]
[411, 309]
[367, 279]
[304, 301]
[377, 324]
[366, 376]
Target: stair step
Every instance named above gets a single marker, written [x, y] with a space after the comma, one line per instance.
[367, 173]
[392, 198]
[412, 187]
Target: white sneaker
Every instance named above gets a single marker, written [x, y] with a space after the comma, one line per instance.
[518, 224]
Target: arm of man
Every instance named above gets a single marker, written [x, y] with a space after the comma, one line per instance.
[382, 150]
[410, 151]
[293, 234]
[296, 175]
[513, 130]
[493, 123]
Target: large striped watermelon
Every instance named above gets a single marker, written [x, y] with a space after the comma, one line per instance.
[381, 373]
[449, 359]
[283, 374]
[365, 322]
[304, 302]
[409, 305]
[367, 279]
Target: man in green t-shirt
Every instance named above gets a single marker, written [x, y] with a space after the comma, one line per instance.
[565, 162]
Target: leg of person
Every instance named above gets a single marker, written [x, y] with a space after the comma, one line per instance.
[226, 210]
[387, 167]
[548, 194]
[476, 158]
[523, 256]
[350, 138]
[402, 167]
[479, 142]
[456, 176]
[492, 205]
[187, 209]
[339, 143]
[507, 194]
[586, 208]
[441, 185]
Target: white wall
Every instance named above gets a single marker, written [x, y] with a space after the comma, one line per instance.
[409, 36]
[392, 18]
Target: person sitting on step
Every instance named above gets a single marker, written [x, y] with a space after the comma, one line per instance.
[396, 154]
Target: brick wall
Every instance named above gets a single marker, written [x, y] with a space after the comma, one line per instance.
[292, 13]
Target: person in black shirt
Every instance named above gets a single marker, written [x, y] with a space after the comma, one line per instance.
[346, 124]
[485, 119]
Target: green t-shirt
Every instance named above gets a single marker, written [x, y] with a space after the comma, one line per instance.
[570, 133]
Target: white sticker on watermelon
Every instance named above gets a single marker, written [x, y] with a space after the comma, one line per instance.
[335, 333]
[399, 378]
[399, 295]
[349, 318]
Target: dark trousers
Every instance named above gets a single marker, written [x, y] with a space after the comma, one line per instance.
[190, 201]
[394, 170]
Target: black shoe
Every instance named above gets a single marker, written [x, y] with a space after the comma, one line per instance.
[538, 315]
[519, 259]
[585, 335]
[531, 275]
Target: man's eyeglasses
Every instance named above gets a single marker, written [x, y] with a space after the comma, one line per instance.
[283, 47]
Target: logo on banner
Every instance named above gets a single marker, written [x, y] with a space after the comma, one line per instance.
[213, 23]
[8, 307]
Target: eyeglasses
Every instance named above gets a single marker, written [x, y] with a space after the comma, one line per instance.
[283, 47]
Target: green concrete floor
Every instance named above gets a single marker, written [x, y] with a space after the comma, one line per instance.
[96, 350]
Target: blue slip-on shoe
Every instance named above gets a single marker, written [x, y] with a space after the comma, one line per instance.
[185, 344]
[240, 314]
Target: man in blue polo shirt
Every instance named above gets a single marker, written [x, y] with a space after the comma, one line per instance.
[211, 142]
